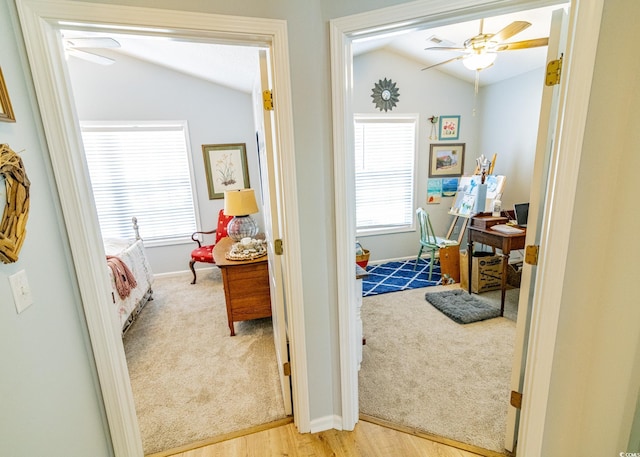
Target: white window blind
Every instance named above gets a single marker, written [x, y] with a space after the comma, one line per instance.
[141, 170]
[385, 155]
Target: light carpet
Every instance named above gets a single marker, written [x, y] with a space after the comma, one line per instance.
[422, 370]
[191, 380]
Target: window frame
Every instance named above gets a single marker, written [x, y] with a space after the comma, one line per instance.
[413, 118]
[182, 124]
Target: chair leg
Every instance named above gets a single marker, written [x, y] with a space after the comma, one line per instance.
[418, 258]
[193, 270]
[431, 260]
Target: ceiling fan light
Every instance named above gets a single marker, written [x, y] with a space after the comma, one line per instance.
[480, 60]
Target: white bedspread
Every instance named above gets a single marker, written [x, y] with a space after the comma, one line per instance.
[133, 254]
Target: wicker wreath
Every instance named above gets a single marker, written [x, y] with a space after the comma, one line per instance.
[13, 226]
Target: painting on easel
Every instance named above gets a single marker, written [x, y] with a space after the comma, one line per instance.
[467, 192]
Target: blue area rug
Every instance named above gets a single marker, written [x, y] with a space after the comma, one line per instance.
[400, 275]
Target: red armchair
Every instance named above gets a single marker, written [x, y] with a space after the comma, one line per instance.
[205, 253]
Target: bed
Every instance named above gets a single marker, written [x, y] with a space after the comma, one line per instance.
[129, 302]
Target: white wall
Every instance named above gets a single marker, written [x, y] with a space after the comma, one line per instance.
[49, 395]
[509, 114]
[427, 93]
[132, 89]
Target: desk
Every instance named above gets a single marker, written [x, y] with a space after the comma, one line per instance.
[503, 241]
[246, 285]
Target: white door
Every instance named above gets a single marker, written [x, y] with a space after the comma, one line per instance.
[537, 198]
[273, 224]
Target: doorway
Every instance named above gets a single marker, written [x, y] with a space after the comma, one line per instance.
[343, 32]
[41, 24]
[506, 99]
[190, 391]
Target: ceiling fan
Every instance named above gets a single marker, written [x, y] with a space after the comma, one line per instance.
[77, 47]
[480, 51]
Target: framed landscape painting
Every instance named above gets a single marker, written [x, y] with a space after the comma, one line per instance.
[446, 160]
[226, 168]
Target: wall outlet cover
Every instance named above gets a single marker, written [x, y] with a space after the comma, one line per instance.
[21, 291]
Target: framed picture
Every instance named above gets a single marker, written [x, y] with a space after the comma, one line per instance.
[434, 191]
[446, 160]
[226, 168]
[449, 127]
[6, 112]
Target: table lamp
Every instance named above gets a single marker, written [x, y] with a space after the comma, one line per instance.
[240, 204]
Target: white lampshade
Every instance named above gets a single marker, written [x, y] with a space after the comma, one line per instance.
[240, 202]
[479, 60]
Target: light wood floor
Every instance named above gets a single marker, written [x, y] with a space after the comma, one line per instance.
[367, 440]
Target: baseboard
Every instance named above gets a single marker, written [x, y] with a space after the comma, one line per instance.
[184, 272]
[395, 259]
[326, 423]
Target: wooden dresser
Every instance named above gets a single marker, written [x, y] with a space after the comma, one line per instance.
[246, 285]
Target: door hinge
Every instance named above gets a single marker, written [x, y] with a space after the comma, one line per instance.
[516, 399]
[267, 100]
[286, 368]
[277, 247]
[531, 254]
[554, 71]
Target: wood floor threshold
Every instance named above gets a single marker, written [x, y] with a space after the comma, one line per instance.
[436, 438]
[221, 438]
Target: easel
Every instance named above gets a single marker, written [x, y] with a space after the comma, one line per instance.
[493, 164]
[466, 218]
[463, 227]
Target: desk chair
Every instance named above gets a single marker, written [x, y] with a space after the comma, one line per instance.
[428, 240]
[205, 253]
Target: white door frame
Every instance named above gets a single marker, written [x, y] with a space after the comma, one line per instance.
[537, 199]
[273, 221]
[585, 16]
[41, 21]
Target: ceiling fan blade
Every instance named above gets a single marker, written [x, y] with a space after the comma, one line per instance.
[442, 63]
[510, 30]
[535, 43]
[92, 42]
[444, 48]
[91, 57]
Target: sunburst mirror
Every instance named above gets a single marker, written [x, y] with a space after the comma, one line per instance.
[385, 94]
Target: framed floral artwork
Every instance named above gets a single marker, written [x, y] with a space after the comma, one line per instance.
[449, 127]
[226, 168]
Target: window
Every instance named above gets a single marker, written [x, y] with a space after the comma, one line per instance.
[141, 170]
[385, 155]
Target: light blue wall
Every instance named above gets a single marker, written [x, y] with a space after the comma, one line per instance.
[426, 93]
[506, 123]
[509, 115]
[50, 400]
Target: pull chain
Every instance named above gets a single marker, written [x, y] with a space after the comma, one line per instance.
[475, 95]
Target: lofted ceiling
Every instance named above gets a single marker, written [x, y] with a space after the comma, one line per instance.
[508, 64]
[233, 66]
[237, 66]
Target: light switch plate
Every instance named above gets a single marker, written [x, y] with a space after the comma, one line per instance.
[21, 291]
